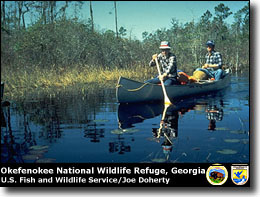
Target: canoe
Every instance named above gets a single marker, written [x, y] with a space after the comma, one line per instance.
[130, 91]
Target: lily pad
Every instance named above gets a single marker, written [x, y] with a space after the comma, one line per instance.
[222, 129]
[131, 130]
[46, 160]
[101, 120]
[152, 139]
[38, 147]
[31, 157]
[117, 131]
[121, 131]
[232, 140]
[235, 109]
[159, 160]
[37, 152]
[227, 152]
[238, 132]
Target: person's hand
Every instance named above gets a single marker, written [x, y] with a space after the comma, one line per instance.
[205, 66]
[161, 77]
[154, 56]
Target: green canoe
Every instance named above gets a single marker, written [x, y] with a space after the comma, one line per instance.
[129, 91]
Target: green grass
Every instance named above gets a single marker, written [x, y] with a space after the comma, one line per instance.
[21, 83]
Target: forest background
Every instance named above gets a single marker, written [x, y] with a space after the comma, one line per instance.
[56, 49]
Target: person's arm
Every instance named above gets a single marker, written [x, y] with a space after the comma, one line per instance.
[214, 66]
[152, 62]
[218, 64]
[172, 66]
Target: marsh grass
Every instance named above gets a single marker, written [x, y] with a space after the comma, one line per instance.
[32, 82]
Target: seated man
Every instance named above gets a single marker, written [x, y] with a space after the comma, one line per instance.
[167, 60]
[213, 66]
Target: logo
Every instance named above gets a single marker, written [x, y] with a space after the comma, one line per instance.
[217, 174]
[239, 174]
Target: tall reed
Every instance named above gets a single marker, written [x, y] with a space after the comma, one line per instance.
[24, 81]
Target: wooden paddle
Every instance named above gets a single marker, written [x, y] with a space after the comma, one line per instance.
[166, 98]
[161, 123]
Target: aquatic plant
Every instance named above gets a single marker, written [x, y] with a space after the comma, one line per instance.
[19, 83]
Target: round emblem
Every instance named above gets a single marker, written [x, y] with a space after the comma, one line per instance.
[217, 175]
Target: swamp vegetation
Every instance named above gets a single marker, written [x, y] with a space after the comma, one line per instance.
[55, 50]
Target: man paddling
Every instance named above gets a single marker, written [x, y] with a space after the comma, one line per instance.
[167, 60]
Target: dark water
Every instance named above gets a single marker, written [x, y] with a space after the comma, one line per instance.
[91, 127]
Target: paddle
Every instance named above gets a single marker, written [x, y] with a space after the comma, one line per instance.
[166, 98]
[161, 124]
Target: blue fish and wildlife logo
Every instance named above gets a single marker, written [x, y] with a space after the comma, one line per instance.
[217, 174]
[239, 174]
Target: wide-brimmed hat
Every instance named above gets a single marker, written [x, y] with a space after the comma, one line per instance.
[165, 45]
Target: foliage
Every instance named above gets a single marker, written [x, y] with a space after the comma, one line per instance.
[54, 40]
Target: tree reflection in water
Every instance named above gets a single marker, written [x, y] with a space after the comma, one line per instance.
[119, 146]
[92, 128]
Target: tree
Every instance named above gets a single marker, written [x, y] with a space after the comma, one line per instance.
[91, 16]
[122, 31]
[52, 11]
[3, 16]
[222, 12]
[116, 18]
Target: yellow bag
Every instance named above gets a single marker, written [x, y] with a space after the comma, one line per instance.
[200, 75]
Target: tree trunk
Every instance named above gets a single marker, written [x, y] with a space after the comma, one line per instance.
[23, 13]
[91, 15]
[3, 13]
[237, 60]
[52, 7]
[116, 19]
[20, 10]
[44, 12]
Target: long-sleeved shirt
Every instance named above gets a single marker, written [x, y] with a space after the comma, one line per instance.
[213, 113]
[214, 58]
[168, 64]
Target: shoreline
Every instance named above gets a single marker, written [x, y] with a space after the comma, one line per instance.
[21, 84]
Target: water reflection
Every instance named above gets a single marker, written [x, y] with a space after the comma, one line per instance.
[119, 146]
[10, 149]
[166, 134]
[92, 127]
[94, 133]
[168, 129]
[214, 113]
[129, 114]
[30, 127]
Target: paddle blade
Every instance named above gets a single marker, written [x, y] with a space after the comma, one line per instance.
[167, 101]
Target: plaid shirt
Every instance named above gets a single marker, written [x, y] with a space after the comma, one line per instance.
[213, 113]
[214, 58]
[168, 64]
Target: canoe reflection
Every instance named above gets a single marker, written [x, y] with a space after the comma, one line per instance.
[165, 135]
[129, 114]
